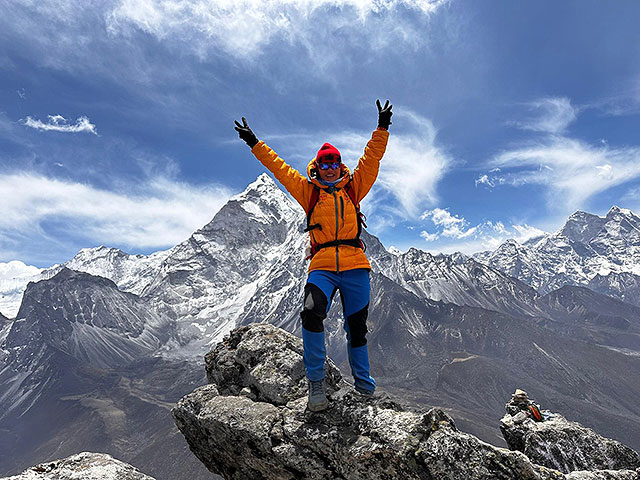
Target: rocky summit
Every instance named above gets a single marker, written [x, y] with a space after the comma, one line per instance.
[252, 422]
[85, 466]
[566, 446]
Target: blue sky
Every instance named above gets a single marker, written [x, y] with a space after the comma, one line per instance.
[116, 117]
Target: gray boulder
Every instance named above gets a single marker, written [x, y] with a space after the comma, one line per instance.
[82, 466]
[253, 423]
[264, 363]
[566, 446]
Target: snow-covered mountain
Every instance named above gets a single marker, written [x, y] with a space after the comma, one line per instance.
[602, 253]
[448, 328]
[79, 369]
[456, 279]
[79, 316]
[132, 273]
[246, 263]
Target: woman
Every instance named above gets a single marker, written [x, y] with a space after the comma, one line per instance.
[331, 198]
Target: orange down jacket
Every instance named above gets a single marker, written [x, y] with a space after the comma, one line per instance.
[334, 211]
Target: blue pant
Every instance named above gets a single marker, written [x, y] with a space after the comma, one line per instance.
[318, 294]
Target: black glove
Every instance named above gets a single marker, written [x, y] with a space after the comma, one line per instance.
[245, 133]
[384, 114]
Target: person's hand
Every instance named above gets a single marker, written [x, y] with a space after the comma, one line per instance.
[384, 114]
[245, 133]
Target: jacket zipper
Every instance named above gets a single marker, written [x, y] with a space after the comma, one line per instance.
[342, 210]
[335, 202]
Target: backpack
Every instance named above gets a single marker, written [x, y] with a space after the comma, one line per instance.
[535, 413]
[354, 242]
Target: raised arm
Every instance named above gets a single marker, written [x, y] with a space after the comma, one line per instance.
[289, 177]
[365, 174]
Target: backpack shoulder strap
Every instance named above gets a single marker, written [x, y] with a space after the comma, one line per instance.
[351, 192]
[315, 194]
[352, 195]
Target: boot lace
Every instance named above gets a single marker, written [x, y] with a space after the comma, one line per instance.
[317, 387]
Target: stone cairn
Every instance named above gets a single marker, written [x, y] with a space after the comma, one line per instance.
[519, 407]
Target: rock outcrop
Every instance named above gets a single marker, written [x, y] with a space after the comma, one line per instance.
[566, 446]
[253, 423]
[84, 466]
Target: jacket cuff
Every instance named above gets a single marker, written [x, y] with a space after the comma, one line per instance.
[257, 146]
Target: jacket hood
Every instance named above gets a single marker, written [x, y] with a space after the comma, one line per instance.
[312, 173]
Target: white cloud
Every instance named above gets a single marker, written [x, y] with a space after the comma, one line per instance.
[573, 170]
[625, 100]
[21, 93]
[452, 226]
[485, 180]
[469, 239]
[527, 232]
[242, 28]
[158, 212]
[414, 164]
[16, 269]
[58, 123]
[429, 237]
[551, 115]
[605, 171]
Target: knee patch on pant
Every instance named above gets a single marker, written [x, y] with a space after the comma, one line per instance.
[315, 308]
[358, 327]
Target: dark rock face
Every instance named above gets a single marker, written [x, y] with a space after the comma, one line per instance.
[256, 425]
[624, 286]
[84, 465]
[566, 446]
[88, 318]
[595, 318]
[78, 371]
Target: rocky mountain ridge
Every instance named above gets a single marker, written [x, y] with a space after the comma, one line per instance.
[218, 265]
[80, 369]
[84, 465]
[253, 423]
[480, 335]
[602, 253]
[566, 446]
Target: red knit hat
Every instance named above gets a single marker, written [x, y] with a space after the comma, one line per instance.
[328, 153]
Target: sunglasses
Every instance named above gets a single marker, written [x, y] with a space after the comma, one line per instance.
[327, 166]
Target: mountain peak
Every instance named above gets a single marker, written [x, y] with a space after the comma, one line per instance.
[101, 249]
[624, 212]
[262, 202]
[261, 185]
[582, 226]
[263, 178]
[66, 274]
